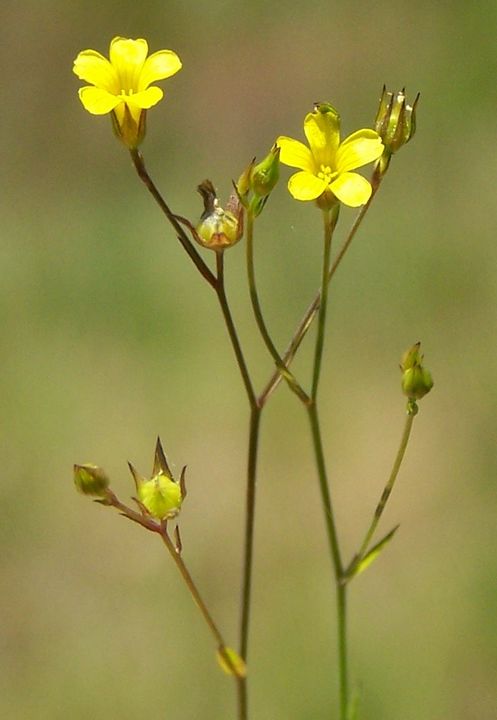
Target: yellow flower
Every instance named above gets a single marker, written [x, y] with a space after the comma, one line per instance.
[326, 167]
[121, 85]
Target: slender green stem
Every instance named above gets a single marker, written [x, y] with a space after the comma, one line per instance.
[329, 221]
[217, 283]
[228, 319]
[161, 529]
[341, 588]
[185, 574]
[222, 647]
[254, 296]
[185, 241]
[329, 518]
[255, 418]
[310, 313]
[341, 595]
[389, 486]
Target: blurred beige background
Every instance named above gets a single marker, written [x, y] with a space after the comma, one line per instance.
[109, 338]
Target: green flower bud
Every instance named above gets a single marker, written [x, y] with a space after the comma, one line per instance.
[416, 380]
[265, 174]
[219, 229]
[91, 480]
[396, 120]
[243, 183]
[160, 496]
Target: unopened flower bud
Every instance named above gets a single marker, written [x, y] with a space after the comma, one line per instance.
[219, 229]
[243, 183]
[416, 380]
[160, 496]
[396, 120]
[91, 480]
[265, 174]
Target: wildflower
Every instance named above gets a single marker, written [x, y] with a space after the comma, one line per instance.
[326, 165]
[121, 85]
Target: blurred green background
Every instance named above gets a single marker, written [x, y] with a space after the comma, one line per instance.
[109, 337]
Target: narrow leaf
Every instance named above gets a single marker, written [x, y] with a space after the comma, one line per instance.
[230, 662]
[372, 554]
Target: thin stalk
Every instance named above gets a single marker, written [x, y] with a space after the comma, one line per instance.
[161, 529]
[185, 241]
[254, 297]
[341, 595]
[222, 647]
[340, 588]
[329, 220]
[310, 313]
[248, 549]
[230, 325]
[389, 486]
[217, 283]
[329, 518]
[255, 418]
[185, 574]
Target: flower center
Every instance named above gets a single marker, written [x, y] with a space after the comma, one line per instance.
[127, 92]
[327, 174]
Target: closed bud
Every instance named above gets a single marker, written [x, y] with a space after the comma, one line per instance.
[219, 229]
[160, 496]
[396, 120]
[416, 380]
[243, 183]
[91, 480]
[265, 174]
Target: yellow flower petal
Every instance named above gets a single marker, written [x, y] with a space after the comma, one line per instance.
[322, 131]
[97, 101]
[305, 186]
[351, 189]
[127, 57]
[145, 99]
[295, 154]
[159, 66]
[358, 149]
[92, 67]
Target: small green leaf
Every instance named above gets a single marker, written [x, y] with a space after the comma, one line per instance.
[230, 662]
[372, 554]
